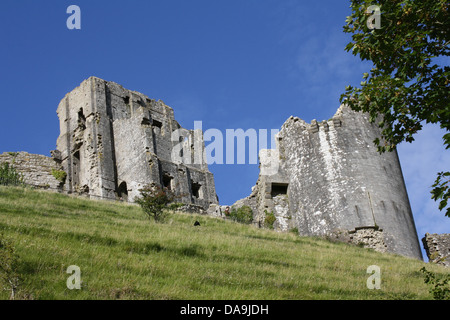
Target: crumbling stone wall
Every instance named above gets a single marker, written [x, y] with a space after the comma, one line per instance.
[114, 141]
[281, 213]
[437, 247]
[371, 237]
[367, 237]
[335, 179]
[38, 171]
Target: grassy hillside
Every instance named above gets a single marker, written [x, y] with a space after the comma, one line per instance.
[122, 255]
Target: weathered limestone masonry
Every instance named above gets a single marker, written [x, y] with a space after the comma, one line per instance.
[331, 181]
[437, 247]
[115, 141]
[38, 171]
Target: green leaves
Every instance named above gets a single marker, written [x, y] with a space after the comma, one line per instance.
[439, 286]
[441, 191]
[408, 85]
[446, 139]
[9, 176]
[243, 214]
[59, 175]
[154, 201]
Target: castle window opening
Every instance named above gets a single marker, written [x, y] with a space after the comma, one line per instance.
[167, 181]
[126, 100]
[197, 191]
[81, 120]
[279, 189]
[157, 124]
[157, 127]
[145, 122]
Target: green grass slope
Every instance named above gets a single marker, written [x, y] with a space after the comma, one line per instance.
[123, 255]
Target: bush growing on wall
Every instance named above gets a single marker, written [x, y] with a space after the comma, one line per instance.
[59, 175]
[9, 176]
[269, 220]
[243, 215]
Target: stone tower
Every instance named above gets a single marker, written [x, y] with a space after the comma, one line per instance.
[114, 141]
[332, 180]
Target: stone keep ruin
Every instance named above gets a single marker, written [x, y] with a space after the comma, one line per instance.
[115, 141]
[330, 180]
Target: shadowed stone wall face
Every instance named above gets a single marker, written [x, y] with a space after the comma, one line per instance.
[437, 247]
[37, 170]
[115, 141]
[335, 180]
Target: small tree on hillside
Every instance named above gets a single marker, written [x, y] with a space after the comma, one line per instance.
[154, 201]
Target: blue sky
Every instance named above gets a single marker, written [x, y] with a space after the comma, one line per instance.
[231, 64]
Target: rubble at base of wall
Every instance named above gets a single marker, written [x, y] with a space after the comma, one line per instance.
[437, 247]
[216, 211]
[367, 237]
[191, 208]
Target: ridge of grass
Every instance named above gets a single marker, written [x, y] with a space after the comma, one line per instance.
[123, 255]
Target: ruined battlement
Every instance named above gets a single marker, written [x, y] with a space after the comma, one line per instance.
[314, 126]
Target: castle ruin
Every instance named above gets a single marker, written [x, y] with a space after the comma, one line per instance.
[114, 141]
[330, 180]
[437, 247]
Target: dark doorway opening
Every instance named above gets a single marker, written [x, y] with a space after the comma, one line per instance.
[122, 191]
[76, 165]
[197, 190]
[167, 181]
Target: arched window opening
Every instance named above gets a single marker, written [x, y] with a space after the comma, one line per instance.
[122, 191]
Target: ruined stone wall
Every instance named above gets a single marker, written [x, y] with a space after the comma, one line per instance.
[437, 247]
[366, 237]
[38, 171]
[114, 141]
[334, 179]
